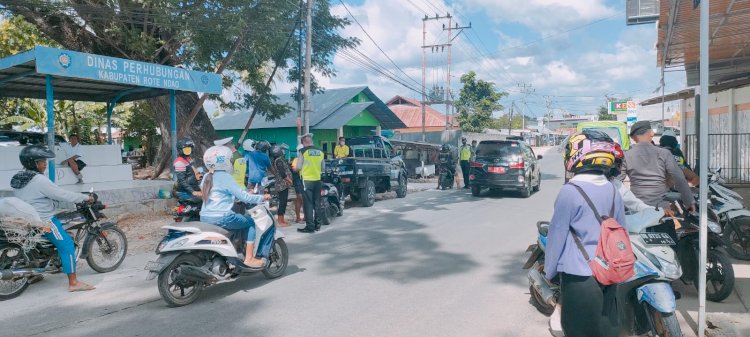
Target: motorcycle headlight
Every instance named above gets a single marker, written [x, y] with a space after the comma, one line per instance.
[714, 227]
[671, 270]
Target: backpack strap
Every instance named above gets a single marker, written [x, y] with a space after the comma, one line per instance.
[614, 197]
[591, 203]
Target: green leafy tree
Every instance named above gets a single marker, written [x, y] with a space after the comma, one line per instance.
[502, 122]
[140, 124]
[209, 35]
[604, 114]
[477, 100]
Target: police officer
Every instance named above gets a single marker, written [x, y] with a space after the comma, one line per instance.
[464, 155]
[311, 166]
[650, 168]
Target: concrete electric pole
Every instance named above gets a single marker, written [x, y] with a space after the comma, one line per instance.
[308, 65]
[525, 90]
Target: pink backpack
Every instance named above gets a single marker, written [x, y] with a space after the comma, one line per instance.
[614, 260]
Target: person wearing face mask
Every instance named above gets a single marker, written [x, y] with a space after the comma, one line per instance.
[341, 150]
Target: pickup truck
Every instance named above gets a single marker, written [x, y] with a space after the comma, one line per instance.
[372, 167]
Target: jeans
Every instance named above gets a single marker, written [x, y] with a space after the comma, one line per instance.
[312, 202]
[238, 222]
[64, 244]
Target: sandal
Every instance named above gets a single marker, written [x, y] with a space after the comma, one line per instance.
[81, 287]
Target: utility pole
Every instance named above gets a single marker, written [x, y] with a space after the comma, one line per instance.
[510, 118]
[308, 64]
[299, 82]
[447, 98]
[449, 93]
[525, 90]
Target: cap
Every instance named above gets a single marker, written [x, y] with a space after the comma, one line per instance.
[668, 133]
[639, 128]
[223, 141]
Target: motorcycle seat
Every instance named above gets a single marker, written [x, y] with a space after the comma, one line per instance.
[201, 226]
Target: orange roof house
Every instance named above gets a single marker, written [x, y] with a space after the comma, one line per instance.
[409, 111]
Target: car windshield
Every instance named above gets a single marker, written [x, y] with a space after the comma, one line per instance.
[498, 149]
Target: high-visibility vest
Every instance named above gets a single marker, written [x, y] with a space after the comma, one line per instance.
[465, 153]
[240, 171]
[311, 165]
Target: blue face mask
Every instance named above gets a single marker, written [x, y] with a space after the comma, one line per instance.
[678, 146]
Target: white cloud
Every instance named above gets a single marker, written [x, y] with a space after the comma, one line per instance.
[543, 15]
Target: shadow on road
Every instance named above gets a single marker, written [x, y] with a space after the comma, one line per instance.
[387, 246]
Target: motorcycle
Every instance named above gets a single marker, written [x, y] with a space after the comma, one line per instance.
[445, 175]
[196, 255]
[26, 255]
[729, 211]
[187, 210]
[646, 302]
[331, 197]
[719, 270]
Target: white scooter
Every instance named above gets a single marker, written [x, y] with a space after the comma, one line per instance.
[195, 255]
[731, 213]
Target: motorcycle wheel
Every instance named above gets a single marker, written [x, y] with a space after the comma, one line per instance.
[12, 256]
[325, 211]
[108, 250]
[179, 292]
[539, 304]
[666, 325]
[278, 259]
[737, 237]
[719, 276]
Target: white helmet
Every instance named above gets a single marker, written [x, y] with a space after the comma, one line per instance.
[218, 158]
[248, 145]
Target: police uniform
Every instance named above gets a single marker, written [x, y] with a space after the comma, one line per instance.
[464, 157]
[311, 171]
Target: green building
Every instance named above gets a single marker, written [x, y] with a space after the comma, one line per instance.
[348, 112]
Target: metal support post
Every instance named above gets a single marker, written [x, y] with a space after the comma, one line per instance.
[703, 167]
[110, 108]
[173, 125]
[50, 125]
[424, 78]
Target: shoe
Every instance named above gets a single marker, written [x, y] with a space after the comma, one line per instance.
[306, 230]
[317, 227]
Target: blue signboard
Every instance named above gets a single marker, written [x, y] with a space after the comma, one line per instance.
[59, 62]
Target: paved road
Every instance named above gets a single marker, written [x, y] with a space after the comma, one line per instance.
[438, 263]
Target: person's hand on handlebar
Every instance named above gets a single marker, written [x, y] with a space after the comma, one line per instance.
[669, 212]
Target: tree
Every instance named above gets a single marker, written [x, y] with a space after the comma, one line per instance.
[477, 100]
[502, 122]
[604, 114]
[209, 35]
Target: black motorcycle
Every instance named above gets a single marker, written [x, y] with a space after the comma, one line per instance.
[719, 269]
[331, 196]
[26, 255]
[445, 176]
[187, 210]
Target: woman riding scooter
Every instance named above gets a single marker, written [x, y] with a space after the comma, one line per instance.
[219, 194]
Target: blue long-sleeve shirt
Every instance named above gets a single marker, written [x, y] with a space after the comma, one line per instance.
[571, 211]
[257, 164]
[222, 195]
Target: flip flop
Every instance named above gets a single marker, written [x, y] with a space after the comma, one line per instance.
[81, 287]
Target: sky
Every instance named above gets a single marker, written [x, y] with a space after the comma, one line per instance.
[574, 54]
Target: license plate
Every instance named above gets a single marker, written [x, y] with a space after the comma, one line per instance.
[660, 239]
[500, 170]
[153, 266]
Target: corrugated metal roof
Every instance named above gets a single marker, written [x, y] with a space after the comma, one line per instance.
[409, 111]
[343, 115]
[325, 105]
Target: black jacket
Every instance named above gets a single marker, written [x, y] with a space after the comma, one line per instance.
[186, 181]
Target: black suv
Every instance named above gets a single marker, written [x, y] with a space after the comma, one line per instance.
[505, 164]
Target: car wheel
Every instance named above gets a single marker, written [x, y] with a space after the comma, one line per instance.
[402, 187]
[367, 194]
[538, 183]
[526, 192]
[476, 190]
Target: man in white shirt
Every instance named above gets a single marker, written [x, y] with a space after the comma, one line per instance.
[74, 155]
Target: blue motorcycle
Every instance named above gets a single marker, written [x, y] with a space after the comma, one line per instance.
[646, 302]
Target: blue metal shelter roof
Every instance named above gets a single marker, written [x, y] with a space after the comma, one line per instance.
[88, 77]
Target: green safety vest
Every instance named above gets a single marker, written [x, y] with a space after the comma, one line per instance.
[240, 170]
[465, 152]
[311, 164]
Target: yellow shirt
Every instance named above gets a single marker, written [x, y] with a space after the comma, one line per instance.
[341, 151]
[240, 171]
[312, 160]
[465, 152]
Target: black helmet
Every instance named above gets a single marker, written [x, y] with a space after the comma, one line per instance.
[30, 154]
[277, 151]
[183, 143]
[446, 148]
[263, 146]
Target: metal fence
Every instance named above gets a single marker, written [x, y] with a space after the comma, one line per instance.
[730, 152]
